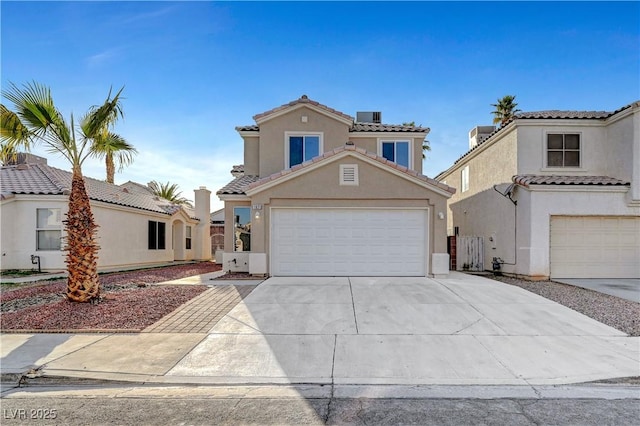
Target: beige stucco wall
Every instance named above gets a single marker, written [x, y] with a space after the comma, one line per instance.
[607, 149]
[272, 136]
[122, 234]
[493, 164]
[321, 188]
[252, 155]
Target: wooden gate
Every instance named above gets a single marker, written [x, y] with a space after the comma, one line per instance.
[469, 253]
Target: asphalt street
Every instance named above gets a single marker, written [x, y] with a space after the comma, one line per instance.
[320, 405]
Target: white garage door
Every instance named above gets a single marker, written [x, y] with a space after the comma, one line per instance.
[348, 242]
[595, 247]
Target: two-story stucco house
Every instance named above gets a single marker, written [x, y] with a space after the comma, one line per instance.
[322, 194]
[553, 193]
[135, 228]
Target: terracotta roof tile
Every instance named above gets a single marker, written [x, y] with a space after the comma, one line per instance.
[304, 99]
[238, 185]
[41, 179]
[553, 114]
[528, 180]
[372, 127]
[359, 127]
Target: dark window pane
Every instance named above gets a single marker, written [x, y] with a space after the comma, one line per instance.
[402, 153]
[572, 141]
[311, 147]
[188, 244]
[161, 236]
[388, 151]
[295, 150]
[152, 235]
[554, 159]
[572, 159]
[554, 141]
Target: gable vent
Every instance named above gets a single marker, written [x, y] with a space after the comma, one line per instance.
[349, 174]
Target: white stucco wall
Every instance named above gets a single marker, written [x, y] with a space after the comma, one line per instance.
[536, 207]
[122, 234]
[18, 230]
[606, 148]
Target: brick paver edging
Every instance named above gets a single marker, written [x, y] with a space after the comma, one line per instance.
[201, 313]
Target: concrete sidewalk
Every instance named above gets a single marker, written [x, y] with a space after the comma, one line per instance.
[463, 330]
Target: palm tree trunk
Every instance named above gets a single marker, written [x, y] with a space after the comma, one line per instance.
[83, 284]
[111, 168]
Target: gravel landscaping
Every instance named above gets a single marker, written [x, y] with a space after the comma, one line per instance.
[618, 313]
[128, 302]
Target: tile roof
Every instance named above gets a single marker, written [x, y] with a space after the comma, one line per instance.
[528, 180]
[553, 114]
[358, 127]
[304, 99]
[41, 179]
[362, 151]
[238, 185]
[373, 127]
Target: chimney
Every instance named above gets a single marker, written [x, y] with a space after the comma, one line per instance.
[202, 246]
[26, 158]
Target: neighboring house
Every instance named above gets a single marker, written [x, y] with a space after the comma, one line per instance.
[574, 182]
[322, 194]
[135, 227]
[217, 232]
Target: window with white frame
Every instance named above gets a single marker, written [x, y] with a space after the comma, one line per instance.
[187, 244]
[302, 147]
[48, 229]
[563, 150]
[396, 151]
[464, 179]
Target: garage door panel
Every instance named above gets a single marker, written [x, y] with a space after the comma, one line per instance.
[348, 242]
[594, 247]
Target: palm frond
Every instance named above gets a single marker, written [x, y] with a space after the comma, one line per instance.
[113, 144]
[101, 118]
[170, 192]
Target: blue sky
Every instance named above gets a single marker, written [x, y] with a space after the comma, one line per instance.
[193, 71]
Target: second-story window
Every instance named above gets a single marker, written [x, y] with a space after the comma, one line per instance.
[464, 179]
[302, 148]
[396, 151]
[563, 150]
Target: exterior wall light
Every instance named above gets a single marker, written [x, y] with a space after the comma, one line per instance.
[441, 215]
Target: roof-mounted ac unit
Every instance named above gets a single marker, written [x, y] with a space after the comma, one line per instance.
[369, 117]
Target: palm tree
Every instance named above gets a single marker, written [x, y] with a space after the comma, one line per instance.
[114, 148]
[168, 191]
[425, 143]
[36, 119]
[505, 109]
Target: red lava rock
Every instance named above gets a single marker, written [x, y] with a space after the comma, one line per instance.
[125, 305]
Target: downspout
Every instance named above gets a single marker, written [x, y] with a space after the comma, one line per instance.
[498, 262]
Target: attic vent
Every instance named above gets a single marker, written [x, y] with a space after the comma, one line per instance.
[349, 174]
[369, 117]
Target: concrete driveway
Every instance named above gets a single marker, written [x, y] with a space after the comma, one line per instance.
[460, 330]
